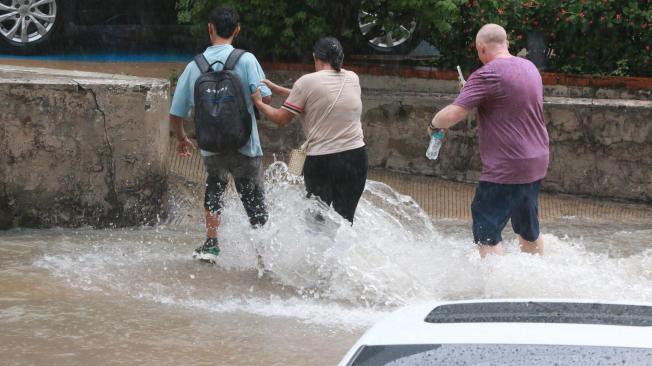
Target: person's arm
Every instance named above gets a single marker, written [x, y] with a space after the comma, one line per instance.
[184, 145]
[181, 106]
[256, 76]
[447, 117]
[277, 89]
[279, 116]
[473, 93]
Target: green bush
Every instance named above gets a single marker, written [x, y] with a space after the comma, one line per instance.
[287, 29]
[605, 37]
[272, 29]
[583, 37]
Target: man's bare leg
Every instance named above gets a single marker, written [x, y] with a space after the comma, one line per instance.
[485, 250]
[213, 220]
[209, 251]
[532, 247]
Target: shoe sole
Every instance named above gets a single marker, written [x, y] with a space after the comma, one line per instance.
[205, 257]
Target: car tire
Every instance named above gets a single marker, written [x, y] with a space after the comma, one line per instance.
[30, 26]
[399, 41]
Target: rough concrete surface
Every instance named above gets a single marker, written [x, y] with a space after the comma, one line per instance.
[601, 138]
[600, 142]
[79, 148]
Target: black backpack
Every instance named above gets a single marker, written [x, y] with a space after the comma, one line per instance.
[222, 121]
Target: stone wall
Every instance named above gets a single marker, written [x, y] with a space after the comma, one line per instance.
[81, 148]
[601, 143]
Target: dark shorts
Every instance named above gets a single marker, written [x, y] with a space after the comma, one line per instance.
[495, 203]
[338, 179]
[247, 174]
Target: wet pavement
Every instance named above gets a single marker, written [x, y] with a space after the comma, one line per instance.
[136, 296]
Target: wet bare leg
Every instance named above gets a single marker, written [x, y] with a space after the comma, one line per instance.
[485, 250]
[213, 220]
[532, 247]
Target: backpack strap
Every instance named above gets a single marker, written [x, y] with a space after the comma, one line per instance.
[233, 58]
[202, 63]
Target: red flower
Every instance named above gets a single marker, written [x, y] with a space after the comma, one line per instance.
[644, 26]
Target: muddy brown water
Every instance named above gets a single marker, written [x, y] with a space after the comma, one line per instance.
[135, 296]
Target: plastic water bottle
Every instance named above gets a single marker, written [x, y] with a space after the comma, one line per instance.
[435, 144]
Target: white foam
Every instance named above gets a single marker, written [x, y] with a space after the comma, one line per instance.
[338, 274]
[308, 311]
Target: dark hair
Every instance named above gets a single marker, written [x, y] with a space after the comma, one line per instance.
[329, 49]
[224, 19]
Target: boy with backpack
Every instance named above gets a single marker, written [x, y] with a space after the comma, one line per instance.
[218, 84]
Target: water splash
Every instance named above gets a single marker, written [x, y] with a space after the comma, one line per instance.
[394, 254]
[330, 272]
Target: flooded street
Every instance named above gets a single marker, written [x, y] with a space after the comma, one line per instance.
[79, 148]
[135, 296]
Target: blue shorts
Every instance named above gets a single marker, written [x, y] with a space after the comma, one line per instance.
[495, 203]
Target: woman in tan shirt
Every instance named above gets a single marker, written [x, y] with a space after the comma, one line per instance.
[328, 102]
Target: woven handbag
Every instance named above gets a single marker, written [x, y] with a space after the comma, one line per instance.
[298, 156]
[296, 161]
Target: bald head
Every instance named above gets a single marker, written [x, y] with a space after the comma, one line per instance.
[491, 33]
[491, 42]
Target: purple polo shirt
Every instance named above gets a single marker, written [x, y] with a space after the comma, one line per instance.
[513, 139]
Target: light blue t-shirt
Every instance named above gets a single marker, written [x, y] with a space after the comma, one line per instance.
[251, 75]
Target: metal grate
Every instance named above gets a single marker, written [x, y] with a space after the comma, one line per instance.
[189, 167]
[450, 200]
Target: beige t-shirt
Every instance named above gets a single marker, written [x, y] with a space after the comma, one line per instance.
[312, 96]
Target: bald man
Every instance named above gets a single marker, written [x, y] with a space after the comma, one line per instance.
[508, 94]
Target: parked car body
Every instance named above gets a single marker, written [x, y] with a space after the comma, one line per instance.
[30, 26]
[509, 332]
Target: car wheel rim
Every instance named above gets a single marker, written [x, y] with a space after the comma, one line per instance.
[369, 23]
[27, 21]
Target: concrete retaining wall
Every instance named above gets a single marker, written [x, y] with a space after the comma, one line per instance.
[601, 145]
[90, 149]
[81, 148]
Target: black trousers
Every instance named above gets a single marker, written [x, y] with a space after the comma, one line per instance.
[247, 173]
[338, 179]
